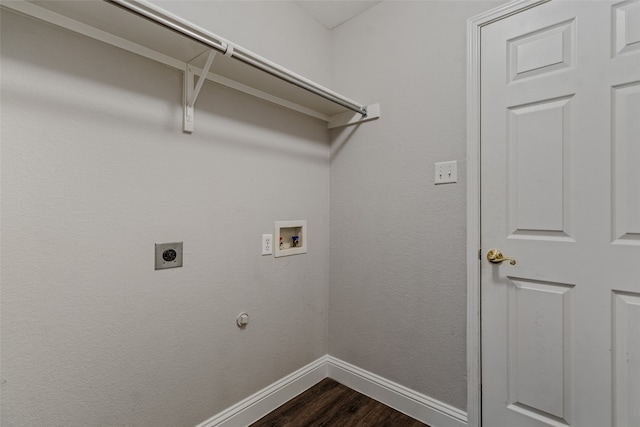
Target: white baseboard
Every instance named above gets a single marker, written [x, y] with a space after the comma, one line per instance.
[423, 408]
[271, 397]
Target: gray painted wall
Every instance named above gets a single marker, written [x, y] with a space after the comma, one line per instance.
[397, 298]
[95, 170]
[277, 30]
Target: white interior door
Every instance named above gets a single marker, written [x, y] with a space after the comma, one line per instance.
[560, 193]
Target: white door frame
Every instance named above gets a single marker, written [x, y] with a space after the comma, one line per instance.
[474, 363]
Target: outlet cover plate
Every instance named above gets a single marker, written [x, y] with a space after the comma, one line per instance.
[267, 244]
[168, 255]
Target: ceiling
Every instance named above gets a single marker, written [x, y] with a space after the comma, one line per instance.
[332, 13]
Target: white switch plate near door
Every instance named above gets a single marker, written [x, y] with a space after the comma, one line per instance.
[446, 172]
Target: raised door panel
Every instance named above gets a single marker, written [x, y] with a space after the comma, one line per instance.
[538, 169]
[542, 51]
[626, 27]
[539, 349]
[626, 164]
[626, 358]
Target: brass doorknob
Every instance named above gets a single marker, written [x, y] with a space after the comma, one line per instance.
[495, 256]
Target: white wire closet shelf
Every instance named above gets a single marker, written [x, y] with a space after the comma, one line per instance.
[148, 30]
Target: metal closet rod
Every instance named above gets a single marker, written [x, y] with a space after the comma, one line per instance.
[161, 17]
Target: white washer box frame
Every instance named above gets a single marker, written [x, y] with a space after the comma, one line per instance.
[279, 226]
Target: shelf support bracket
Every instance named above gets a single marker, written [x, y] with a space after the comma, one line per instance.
[191, 92]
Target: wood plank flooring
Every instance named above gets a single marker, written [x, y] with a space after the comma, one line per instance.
[331, 404]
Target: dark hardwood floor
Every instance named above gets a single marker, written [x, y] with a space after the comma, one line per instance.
[331, 404]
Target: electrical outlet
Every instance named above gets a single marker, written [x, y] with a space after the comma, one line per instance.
[168, 255]
[267, 244]
[446, 172]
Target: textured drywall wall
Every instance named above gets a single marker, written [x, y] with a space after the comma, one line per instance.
[278, 30]
[397, 298]
[95, 170]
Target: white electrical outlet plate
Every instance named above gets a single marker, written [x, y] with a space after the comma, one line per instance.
[267, 244]
[446, 172]
[290, 238]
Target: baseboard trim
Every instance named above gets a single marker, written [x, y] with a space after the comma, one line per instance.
[271, 397]
[423, 408]
[419, 406]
